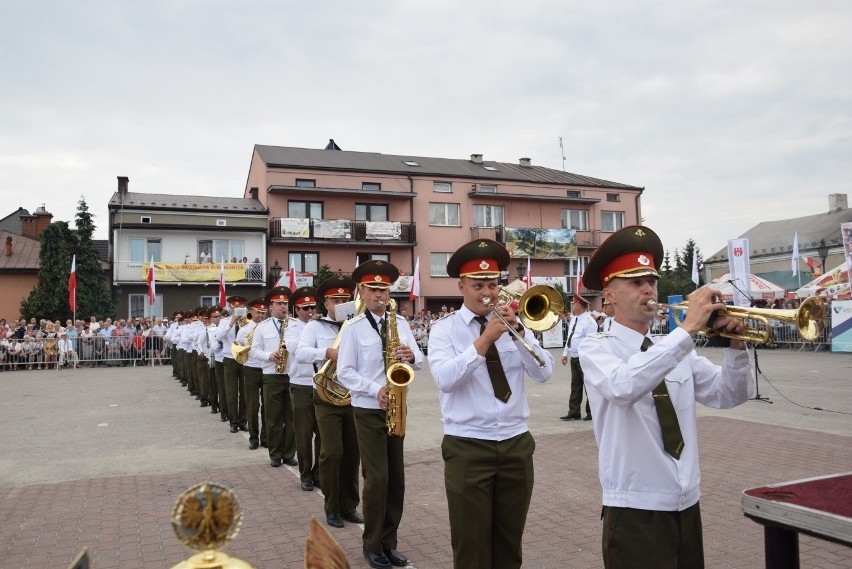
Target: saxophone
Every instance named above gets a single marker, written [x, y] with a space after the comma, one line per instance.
[399, 375]
[283, 354]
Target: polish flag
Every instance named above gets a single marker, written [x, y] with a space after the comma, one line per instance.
[292, 276]
[152, 284]
[222, 299]
[415, 283]
[72, 285]
[810, 263]
[529, 274]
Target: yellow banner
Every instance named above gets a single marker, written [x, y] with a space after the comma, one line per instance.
[196, 272]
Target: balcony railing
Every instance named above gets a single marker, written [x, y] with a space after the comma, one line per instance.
[165, 272]
[297, 229]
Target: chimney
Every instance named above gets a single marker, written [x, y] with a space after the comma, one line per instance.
[8, 245]
[525, 162]
[476, 158]
[837, 202]
[123, 182]
[33, 225]
[253, 193]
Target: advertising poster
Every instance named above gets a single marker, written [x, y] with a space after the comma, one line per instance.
[841, 326]
[740, 271]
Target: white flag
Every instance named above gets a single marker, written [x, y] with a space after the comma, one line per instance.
[415, 283]
[695, 267]
[795, 260]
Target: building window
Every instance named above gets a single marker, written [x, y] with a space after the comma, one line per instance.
[139, 307]
[573, 267]
[303, 209]
[208, 301]
[411, 163]
[438, 264]
[443, 187]
[491, 168]
[371, 212]
[444, 214]
[227, 250]
[142, 249]
[572, 194]
[304, 261]
[613, 197]
[303, 183]
[487, 216]
[364, 257]
[575, 219]
[487, 189]
[612, 220]
[371, 186]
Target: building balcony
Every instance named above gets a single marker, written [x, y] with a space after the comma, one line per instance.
[187, 273]
[331, 231]
[584, 239]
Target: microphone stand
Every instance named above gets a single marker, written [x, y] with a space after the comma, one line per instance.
[757, 372]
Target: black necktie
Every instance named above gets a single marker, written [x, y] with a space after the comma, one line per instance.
[672, 439]
[571, 335]
[495, 368]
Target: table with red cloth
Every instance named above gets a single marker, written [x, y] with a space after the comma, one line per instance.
[820, 507]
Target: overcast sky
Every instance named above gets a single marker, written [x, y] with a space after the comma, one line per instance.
[727, 113]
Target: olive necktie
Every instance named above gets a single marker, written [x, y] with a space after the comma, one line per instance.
[495, 368]
[672, 438]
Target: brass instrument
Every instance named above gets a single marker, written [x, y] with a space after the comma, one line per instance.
[241, 353]
[809, 319]
[328, 388]
[399, 375]
[538, 309]
[283, 354]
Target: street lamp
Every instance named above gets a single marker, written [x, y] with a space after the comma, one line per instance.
[822, 251]
[522, 270]
[275, 273]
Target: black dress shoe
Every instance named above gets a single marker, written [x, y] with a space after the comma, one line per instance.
[587, 418]
[224, 419]
[317, 484]
[275, 462]
[377, 560]
[354, 517]
[252, 446]
[244, 427]
[234, 429]
[307, 486]
[214, 410]
[205, 404]
[396, 558]
[570, 418]
[290, 461]
[334, 520]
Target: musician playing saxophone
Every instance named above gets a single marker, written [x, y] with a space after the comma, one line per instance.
[269, 348]
[252, 373]
[361, 369]
[338, 459]
[488, 451]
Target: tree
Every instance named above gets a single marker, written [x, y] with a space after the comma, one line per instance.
[678, 280]
[93, 293]
[49, 298]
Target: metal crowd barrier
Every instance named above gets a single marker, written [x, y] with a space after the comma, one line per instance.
[96, 351]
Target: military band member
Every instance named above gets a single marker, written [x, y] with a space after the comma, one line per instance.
[643, 392]
[211, 350]
[221, 350]
[253, 376]
[268, 346]
[171, 336]
[479, 368]
[582, 324]
[338, 458]
[304, 303]
[361, 368]
[233, 372]
[202, 371]
[185, 344]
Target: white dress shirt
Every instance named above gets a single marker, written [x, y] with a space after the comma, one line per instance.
[635, 471]
[582, 326]
[242, 340]
[266, 340]
[317, 336]
[468, 405]
[300, 373]
[361, 360]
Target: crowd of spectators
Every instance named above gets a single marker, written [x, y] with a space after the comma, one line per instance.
[44, 344]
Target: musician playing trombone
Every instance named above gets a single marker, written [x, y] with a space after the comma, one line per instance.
[643, 392]
[338, 459]
[488, 451]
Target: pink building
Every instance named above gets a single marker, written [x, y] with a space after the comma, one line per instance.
[339, 208]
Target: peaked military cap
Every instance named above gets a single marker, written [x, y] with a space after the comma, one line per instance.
[236, 301]
[375, 274]
[214, 311]
[336, 286]
[304, 296]
[258, 304]
[635, 251]
[278, 293]
[479, 259]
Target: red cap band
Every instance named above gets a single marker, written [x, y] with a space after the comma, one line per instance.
[635, 263]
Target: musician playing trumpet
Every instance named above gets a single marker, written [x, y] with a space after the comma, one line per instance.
[268, 347]
[479, 368]
[361, 369]
[643, 392]
[338, 459]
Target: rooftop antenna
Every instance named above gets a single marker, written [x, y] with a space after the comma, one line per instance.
[562, 149]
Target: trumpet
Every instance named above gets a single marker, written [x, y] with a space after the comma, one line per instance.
[538, 309]
[809, 320]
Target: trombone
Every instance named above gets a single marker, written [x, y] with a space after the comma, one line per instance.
[538, 308]
[809, 320]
